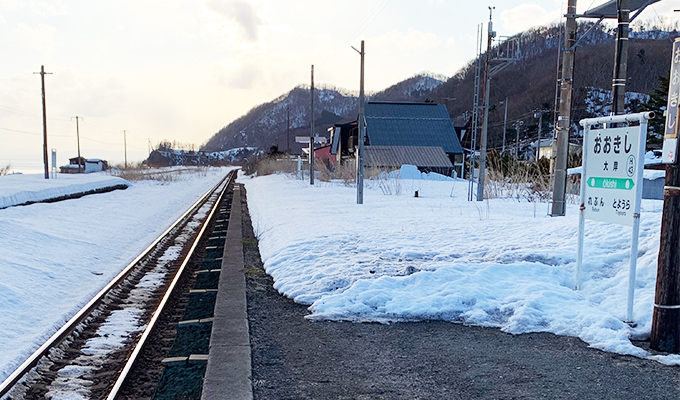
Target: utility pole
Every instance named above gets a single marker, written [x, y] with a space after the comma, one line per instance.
[539, 114]
[311, 134]
[149, 143]
[620, 58]
[505, 123]
[288, 130]
[44, 110]
[564, 117]
[125, 146]
[78, 139]
[485, 124]
[665, 334]
[517, 125]
[361, 130]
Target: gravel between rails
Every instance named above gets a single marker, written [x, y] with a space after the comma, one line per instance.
[293, 358]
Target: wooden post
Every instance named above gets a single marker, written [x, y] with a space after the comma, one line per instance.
[44, 115]
[666, 319]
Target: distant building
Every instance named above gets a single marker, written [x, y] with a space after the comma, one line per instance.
[419, 126]
[83, 165]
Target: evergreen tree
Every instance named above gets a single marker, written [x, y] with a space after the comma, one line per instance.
[657, 103]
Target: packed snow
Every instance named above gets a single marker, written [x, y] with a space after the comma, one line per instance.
[498, 263]
[55, 256]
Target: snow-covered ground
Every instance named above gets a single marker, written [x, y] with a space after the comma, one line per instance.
[20, 188]
[498, 263]
[55, 257]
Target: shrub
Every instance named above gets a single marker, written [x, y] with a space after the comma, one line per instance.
[5, 170]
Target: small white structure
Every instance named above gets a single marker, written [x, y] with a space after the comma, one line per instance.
[82, 165]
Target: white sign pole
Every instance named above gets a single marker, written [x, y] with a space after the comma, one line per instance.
[636, 222]
[582, 209]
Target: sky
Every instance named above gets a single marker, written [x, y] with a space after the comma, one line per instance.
[180, 70]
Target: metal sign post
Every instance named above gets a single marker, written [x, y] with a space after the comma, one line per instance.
[611, 182]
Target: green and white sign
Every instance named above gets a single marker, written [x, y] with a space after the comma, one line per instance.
[613, 173]
[611, 185]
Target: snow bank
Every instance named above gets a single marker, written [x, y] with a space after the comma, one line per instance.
[20, 189]
[498, 263]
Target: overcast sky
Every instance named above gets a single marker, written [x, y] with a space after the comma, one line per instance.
[182, 69]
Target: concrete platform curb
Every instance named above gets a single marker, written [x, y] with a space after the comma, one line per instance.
[228, 373]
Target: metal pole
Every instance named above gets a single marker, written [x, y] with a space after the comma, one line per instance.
[288, 129]
[636, 224]
[125, 146]
[505, 123]
[78, 139]
[563, 120]
[482, 155]
[581, 214]
[361, 131]
[311, 134]
[518, 124]
[538, 143]
[485, 122]
[620, 58]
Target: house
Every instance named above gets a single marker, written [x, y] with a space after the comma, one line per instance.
[417, 125]
[547, 148]
[83, 165]
[388, 158]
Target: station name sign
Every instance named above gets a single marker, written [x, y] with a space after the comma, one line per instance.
[611, 174]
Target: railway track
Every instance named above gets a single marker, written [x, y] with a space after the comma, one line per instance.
[122, 343]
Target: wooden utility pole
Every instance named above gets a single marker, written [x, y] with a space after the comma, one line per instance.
[44, 110]
[665, 334]
[361, 131]
[78, 140]
[564, 117]
[311, 134]
[620, 58]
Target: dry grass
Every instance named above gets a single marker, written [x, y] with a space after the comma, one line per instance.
[509, 178]
[5, 170]
[139, 172]
[272, 165]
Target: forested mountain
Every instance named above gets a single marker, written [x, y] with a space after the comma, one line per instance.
[528, 84]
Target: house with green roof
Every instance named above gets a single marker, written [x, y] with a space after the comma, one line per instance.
[417, 126]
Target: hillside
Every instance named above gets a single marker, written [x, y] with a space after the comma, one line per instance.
[266, 125]
[529, 84]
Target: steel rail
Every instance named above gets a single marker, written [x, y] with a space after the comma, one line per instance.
[152, 323]
[87, 309]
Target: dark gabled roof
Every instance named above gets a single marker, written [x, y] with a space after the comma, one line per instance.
[396, 156]
[411, 124]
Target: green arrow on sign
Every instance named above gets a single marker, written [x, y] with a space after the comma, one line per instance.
[611, 183]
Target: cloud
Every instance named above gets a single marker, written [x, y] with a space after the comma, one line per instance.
[240, 12]
[526, 16]
[410, 41]
[41, 38]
